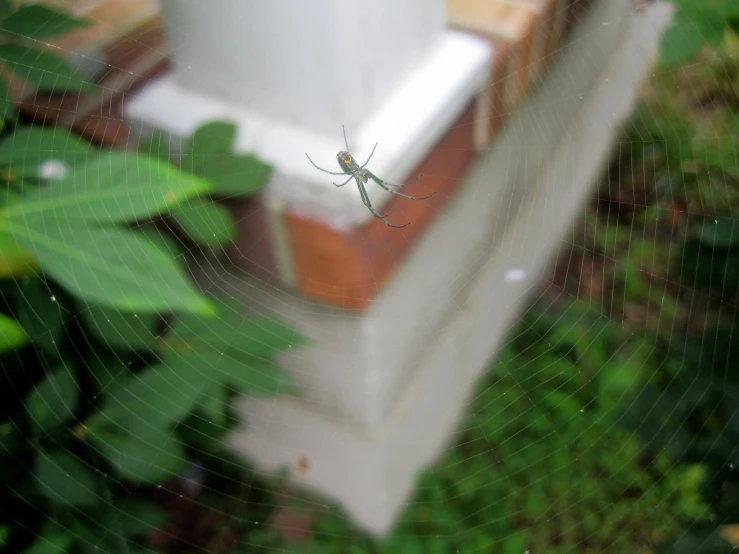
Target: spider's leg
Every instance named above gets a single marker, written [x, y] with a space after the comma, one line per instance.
[403, 185]
[345, 182]
[346, 143]
[370, 156]
[324, 170]
[385, 185]
[365, 200]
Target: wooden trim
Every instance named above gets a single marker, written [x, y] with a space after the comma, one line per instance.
[111, 20]
[512, 23]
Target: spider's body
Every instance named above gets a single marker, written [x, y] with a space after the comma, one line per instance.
[350, 167]
[361, 175]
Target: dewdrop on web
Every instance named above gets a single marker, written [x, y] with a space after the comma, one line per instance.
[53, 169]
[515, 275]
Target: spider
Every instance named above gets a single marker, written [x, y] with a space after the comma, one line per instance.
[362, 175]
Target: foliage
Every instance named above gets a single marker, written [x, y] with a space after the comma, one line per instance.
[697, 23]
[666, 251]
[208, 153]
[114, 365]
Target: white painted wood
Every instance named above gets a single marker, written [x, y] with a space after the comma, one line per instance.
[407, 125]
[314, 64]
[371, 472]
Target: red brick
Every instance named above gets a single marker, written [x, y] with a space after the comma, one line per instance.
[349, 268]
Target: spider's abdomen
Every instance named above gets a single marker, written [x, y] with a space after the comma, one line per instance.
[346, 161]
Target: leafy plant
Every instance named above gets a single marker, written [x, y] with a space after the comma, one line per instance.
[697, 23]
[114, 365]
[96, 376]
[663, 240]
[209, 154]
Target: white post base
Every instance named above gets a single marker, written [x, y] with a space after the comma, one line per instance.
[371, 471]
[409, 122]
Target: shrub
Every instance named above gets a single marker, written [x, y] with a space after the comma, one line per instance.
[115, 368]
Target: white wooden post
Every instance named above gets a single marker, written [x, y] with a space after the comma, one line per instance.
[317, 64]
[292, 73]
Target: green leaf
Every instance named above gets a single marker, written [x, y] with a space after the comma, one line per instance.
[152, 456]
[237, 175]
[115, 187]
[29, 147]
[6, 8]
[232, 349]
[157, 146]
[243, 373]
[64, 479]
[98, 532]
[8, 197]
[728, 8]
[111, 267]
[717, 153]
[516, 542]
[262, 336]
[209, 153]
[107, 372]
[718, 232]
[712, 26]
[52, 401]
[252, 335]
[154, 397]
[137, 516]
[228, 309]
[213, 403]
[203, 434]
[9, 436]
[51, 543]
[12, 334]
[205, 222]
[6, 107]
[680, 42]
[121, 329]
[43, 69]
[4, 534]
[211, 140]
[41, 315]
[698, 539]
[39, 22]
[562, 403]
[162, 240]
[15, 260]
[616, 380]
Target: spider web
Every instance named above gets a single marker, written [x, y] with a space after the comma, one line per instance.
[571, 440]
